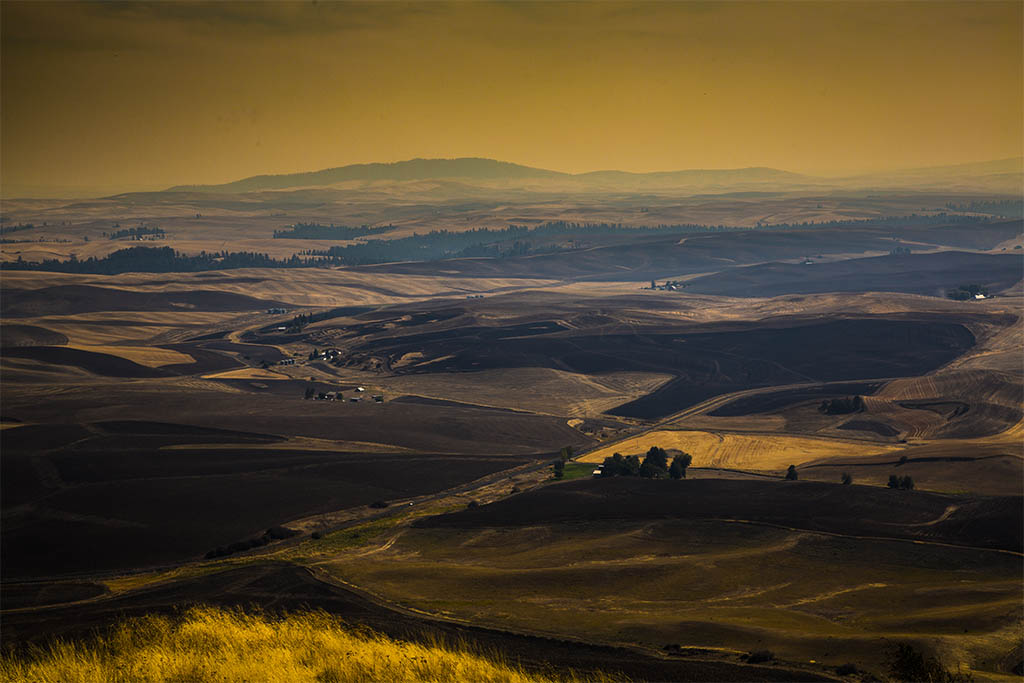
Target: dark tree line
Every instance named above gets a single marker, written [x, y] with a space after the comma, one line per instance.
[438, 244]
[137, 233]
[882, 221]
[156, 260]
[16, 228]
[1006, 208]
[315, 231]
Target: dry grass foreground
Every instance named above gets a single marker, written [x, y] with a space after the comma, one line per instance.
[747, 451]
[211, 644]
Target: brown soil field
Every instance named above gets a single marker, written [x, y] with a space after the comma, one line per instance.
[725, 566]
[284, 587]
[29, 335]
[118, 488]
[864, 511]
[930, 274]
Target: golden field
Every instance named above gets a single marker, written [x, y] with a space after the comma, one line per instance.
[746, 451]
[208, 644]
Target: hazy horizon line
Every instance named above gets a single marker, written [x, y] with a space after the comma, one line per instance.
[34, 191]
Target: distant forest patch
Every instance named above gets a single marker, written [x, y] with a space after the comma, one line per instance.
[315, 231]
[141, 232]
[1006, 208]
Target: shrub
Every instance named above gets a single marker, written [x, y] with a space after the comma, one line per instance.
[472, 505]
[379, 504]
[791, 474]
[847, 479]
[760, 656]
[317, 535]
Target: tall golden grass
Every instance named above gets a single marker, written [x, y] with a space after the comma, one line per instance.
[211, 644]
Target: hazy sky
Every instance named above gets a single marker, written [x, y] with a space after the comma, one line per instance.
[122, 96]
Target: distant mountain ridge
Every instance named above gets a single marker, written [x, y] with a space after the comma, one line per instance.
[475, 168]
[480, 169]
[413, 169]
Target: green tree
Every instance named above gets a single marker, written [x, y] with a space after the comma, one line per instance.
[847, 479]
[894, 482]
[566, 452]
[791, 474]
[559, 469]
[655, 463]
[677, 470]
[907, 483]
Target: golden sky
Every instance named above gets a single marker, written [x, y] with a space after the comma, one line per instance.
[127, 96]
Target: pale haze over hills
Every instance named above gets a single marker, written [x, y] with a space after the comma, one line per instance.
[999, 175]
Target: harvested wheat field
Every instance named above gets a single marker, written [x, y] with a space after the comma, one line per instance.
[741, 451]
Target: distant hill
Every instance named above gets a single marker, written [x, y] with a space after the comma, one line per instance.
[414, 169]
[489, 169]
[1002, 175]
[701, 176]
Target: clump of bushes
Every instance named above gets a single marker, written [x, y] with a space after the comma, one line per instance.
[274, 533]
[379, 504]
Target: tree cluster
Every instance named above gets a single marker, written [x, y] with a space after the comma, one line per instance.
[655, 465]
[842, 406]
[966, 292]
[905, 483]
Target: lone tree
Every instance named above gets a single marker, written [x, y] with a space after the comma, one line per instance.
[677, 470]
[559, 469]
[566, 452]
[655, 464]
[847, 479]
[791, 474]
